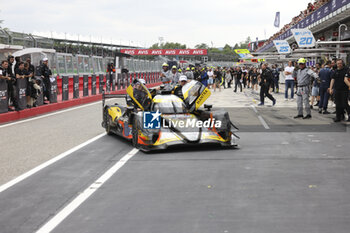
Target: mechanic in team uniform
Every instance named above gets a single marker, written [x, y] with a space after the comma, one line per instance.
[189, 73]
[265, 82]
[304, 76]
[174, 75]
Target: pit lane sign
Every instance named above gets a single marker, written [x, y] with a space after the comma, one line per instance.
[304, 37]
[282, 46]
[155, 52]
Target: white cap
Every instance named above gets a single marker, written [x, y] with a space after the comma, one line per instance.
[183, 78]
[142, 81]
[45, 59]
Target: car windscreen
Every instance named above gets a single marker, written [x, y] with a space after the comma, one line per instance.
[169, 105]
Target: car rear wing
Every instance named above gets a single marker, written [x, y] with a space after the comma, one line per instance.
[110, 96]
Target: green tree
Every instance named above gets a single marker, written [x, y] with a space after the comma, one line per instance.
[202, 46]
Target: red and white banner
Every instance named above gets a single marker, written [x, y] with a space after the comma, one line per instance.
[152, 52]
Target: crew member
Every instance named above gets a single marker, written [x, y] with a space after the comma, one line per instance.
[11, 83]
[165, 71]
[174, 75]
[276, 78]
[45, 75]
[341, 86]
[178, 88]
[265, 83]
[238, 79]
[189, 73]
[325, 81]
[304, 76]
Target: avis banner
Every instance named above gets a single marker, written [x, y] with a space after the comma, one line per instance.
[153, 52]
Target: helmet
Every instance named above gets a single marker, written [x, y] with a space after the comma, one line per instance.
[174, 67]
[193, 68]
[165, 64]
[188, 68]
[302, 60]
[179, 70]
[142, 81]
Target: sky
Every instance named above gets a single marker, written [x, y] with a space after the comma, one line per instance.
[142, 23]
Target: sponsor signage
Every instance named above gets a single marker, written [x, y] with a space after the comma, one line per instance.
[304, 37]
[325, 10]
[282, 46]
[154, 52]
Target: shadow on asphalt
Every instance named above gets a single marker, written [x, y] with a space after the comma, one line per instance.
[190, 148]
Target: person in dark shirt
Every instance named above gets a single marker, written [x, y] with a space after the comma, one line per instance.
[11, 84]
[217, 78]
[265, 83]
[178, 88]
[45, 75]
[275, 80]
[31, 68]
[238, 79]
[3, 71]
[325, 81]
[254, 79]
[341, 91]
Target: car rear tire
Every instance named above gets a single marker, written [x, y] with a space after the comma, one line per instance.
[108, 125]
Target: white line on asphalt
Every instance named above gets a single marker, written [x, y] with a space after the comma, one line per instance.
[47, 163]
[254, 108]
[66, 211]
[263, 122]
[49, 114]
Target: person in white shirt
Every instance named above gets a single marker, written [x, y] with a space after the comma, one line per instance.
[210, 74]
[288, 72]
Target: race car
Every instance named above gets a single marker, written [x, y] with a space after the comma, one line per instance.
[162, 119]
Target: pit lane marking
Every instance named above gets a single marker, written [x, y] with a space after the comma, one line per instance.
[82, 197]
[48, 163]
[261, 119]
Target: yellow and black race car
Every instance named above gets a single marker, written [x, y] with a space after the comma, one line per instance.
[159, 120]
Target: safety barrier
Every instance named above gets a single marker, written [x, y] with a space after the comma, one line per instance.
[67, 88]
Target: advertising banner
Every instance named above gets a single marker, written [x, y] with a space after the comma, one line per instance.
[65, 88]
[93, 84]
[100, 88]
[153, 52]
[21, 87]
[304, 37]
[75, 86]
[282, 46]
[85, 85]
[113, 81]
[3, 96]
[108, 86]
[53, 90]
